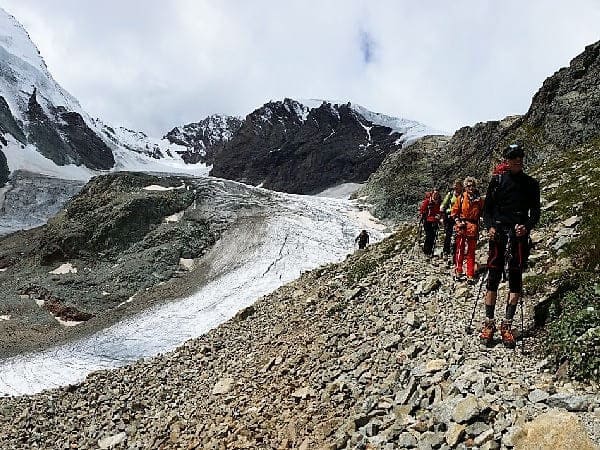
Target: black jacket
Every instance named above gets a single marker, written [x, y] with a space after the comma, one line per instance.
[512, 199]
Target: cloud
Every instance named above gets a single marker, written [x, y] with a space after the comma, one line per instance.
[169, 62]
[367, 46]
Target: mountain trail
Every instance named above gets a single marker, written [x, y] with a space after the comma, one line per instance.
[368, 353]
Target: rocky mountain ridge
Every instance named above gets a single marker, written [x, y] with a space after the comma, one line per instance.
[204, 139]
[564, 114]
[291, 147]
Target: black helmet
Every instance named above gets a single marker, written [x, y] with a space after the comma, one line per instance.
[513, 151]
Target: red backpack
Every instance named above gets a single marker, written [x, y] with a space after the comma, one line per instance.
[500, 169]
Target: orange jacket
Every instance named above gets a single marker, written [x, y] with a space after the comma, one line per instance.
[468, 210]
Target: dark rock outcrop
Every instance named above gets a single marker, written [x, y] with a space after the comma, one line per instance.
[286, 147]
[566, 110]
[205, 138]
[8, 123]
[66, 139]
[4, 171]
[128, 214]
[91, 151]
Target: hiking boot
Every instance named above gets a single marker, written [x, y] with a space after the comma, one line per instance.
[507, 335]
[487, 333]
[471, 281]
[459, 276]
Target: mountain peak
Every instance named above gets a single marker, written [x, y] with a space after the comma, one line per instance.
[15, 40]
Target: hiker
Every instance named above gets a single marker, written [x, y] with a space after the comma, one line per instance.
[466, 213]
[511, 210]
[446, 207]
[430, 215]
[362, 239]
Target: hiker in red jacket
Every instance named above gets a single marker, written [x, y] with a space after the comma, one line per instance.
[430, 213]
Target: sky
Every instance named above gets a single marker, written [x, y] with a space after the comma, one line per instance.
[157, 64]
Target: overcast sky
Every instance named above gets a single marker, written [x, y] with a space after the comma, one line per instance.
[151, 65]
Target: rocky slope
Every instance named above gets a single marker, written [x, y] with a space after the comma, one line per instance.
[564, 114]
[202, 140]
[368, 353]
[149, 226]
[288, 146]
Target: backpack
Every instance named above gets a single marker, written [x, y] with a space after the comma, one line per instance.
[497, 176]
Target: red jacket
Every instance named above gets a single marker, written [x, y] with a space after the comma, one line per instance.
[430, 210]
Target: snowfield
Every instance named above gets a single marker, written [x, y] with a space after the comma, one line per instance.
[249, 261]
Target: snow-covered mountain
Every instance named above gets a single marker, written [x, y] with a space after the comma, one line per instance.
[410, 130]
[44, 129]
[205, 138]
[307, 146]
[293, 146]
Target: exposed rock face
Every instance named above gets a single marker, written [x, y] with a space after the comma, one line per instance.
[287, 147]
[128, 214]
[403, 177]
[123, 234]
[67, 140]
[8, 124]
[205, 138]
[4, 172]
[566, 110]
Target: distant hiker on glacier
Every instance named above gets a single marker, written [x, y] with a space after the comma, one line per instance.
[362, 239]
[466, 213]
[446, 207]
[511, 210]
[430, 215]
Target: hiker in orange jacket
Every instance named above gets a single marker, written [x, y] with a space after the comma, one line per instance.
[466, 212]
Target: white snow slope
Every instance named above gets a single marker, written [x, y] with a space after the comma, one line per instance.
[249, 261]
[410, 129]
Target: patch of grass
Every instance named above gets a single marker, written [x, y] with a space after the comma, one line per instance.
[537, 283]
[360, 268]
[575, 333]
[570, 181]
[401, 240]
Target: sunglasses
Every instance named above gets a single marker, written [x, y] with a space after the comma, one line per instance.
[470, 185]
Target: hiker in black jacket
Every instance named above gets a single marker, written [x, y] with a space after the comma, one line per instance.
[362, 239]
[511, 210]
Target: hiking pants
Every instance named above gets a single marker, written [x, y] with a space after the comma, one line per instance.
[448, 230]
[430, 229]
[468, 243]
[517, 260]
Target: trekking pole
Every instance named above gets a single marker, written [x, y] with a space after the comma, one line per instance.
[521, 301]
[435, 235]
[469, 328]
[522, 325]
[418, 237]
